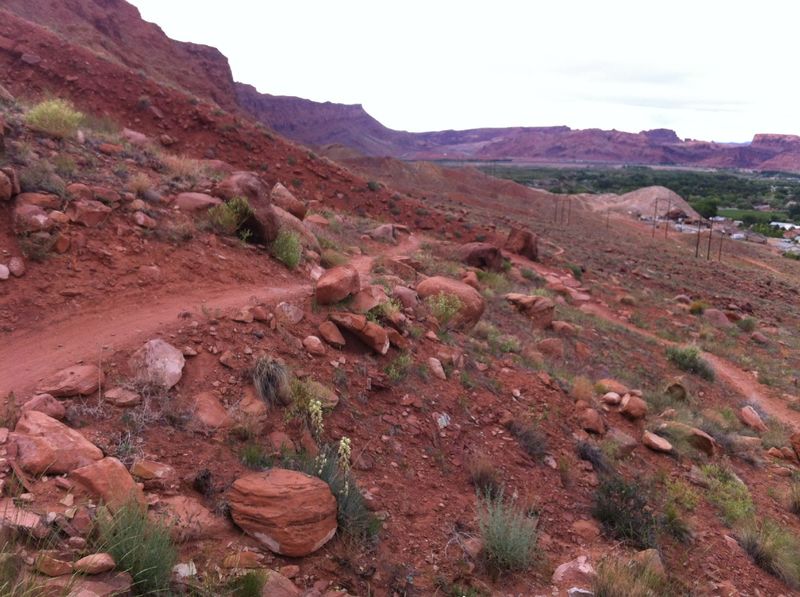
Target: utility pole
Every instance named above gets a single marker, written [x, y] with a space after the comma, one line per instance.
[697, 244]
[710, 234]
[655, 215]
[569, 213]
[721, 238]
[666, 219]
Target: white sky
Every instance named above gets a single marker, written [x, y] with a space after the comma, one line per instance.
[708, 69]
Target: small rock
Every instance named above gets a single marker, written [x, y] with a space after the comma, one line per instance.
[633, 407]
[17, 267]
[314, 345]
[121, 397]
[656, 442]
[96, 563]
[436, 368]
[751, 418]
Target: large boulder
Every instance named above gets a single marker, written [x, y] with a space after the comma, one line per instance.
[523, 242]
[79, 380]
[196, 201]
[336, 284]
[283, 198]
[28, 218]
[717, 318]
[368, 332]
[482, 255]
[244, 184]
[158, 362]
[540, 309]
[291, 513]
[110, 481]
[6, 187]
[87, 212]
[44, 445]
[472, 303]
[209, 413]
[286, 221]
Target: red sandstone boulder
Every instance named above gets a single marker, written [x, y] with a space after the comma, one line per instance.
[482, 255]
[523, 242]
[80, 380]
[291, 513]
[337, 284]
[368, 332]
[46, 446]
[472, 303]
[283, 197]
[109, 481]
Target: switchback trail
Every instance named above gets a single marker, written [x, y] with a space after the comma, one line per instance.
[29, 355]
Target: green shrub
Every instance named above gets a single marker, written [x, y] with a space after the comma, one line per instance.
[530, 275]
[697, 307]
[287, 248]
[41, 177]
[747, 324]
[353, 517]
[496, 281]
[508, 533]
[530, 439]
[248, 585]
[728, 494]
[444, 307]
[794, 498]
[331, 258]
[773, 548]
[54, 117]
[374, 185]
[271, 380]
[577, 271]
[228, 217]
[484, 476]
[688, 359]
[622, 509]
[254, 457]
[619, 579]
[398, 368]
[141, 547]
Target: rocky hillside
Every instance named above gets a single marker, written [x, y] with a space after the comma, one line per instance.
[230, 366]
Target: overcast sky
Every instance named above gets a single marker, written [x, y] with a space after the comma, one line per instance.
[707, 69]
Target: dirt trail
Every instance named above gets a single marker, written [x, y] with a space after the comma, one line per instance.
[760, 264]
[740, 381]
[27, 356]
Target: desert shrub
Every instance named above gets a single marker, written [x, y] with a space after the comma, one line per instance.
[248, 585]
[331, 258]
[184, 168]
[353, 517]
[623, 510]
[444, 307]
[287, 248]
[773, 548]
[228, 217]
[697, 307]
[254, 457]
[594, 456]
[616, 578]
[398, 368]
[777, 433]
[672, 522]
[141, 547]
[729, 494]
[41, 177]
[530, 438]
[64, 165]
[688, 359]
[577, 271]
[508, 533]
[747, 324]
[484, 476]
[271, 380]
[139, 183]
[36, 247]
[530, 275]
[794, 498]
[582, 389]
[374, 185]
[55, 117]
[496, 281]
